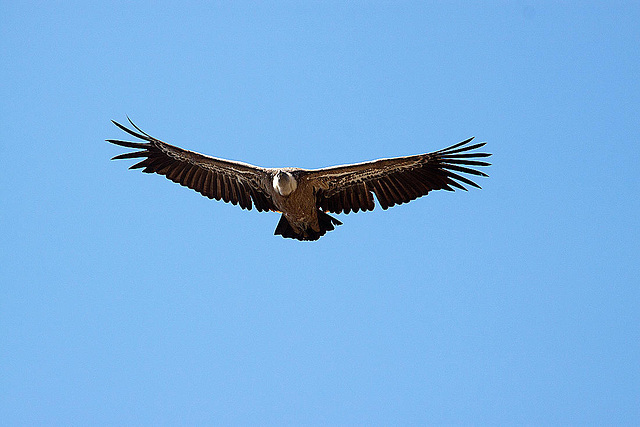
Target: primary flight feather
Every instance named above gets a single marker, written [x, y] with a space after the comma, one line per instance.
[304, 196]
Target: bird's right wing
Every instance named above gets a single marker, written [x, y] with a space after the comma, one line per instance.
[235, 182]
[397, 180]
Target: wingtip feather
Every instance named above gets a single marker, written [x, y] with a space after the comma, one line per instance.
[128, 144]
[137, 128]
[142, 135]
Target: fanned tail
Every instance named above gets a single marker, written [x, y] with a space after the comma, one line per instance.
[325, 221]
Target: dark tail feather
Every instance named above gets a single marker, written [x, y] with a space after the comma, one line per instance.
[326, 222]
[284, 229]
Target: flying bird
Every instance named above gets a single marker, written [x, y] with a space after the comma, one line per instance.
[304, 196]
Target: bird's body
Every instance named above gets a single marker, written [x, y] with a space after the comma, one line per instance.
[294, 204]
[304, 196]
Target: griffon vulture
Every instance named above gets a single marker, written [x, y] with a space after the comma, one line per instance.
[304, 196]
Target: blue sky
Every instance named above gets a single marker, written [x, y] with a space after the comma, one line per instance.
[127, 299]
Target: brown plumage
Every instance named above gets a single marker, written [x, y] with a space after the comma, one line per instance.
[304, 196]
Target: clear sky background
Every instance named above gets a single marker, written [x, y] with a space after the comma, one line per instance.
[127, 299]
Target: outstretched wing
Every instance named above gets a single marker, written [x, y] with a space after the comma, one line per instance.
[235, 182]
[398, 180]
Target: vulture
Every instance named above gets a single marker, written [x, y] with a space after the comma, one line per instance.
[304, 197]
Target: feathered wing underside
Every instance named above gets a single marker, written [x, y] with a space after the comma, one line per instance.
[397, 180]
[234, 182]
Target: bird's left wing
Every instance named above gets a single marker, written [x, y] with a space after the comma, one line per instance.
[235, 182]
[397, 180]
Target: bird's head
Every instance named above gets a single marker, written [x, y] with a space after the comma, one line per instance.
[284, 183]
